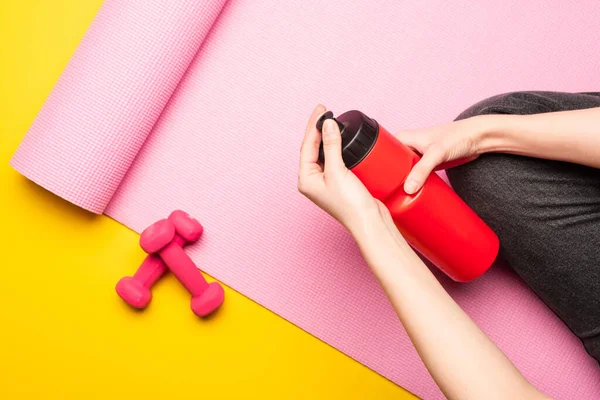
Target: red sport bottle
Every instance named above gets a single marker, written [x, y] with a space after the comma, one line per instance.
[435, 221]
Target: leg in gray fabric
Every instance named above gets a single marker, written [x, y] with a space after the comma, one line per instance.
[546, 213]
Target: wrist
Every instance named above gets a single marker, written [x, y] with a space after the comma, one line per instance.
[366, 226]
[376, 228]
[363, 224]
[494, 132]
[385, 250]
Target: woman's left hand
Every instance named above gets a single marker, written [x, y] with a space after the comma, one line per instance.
[333, 187]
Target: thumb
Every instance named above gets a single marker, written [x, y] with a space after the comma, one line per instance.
[421, 170]
[332, 147]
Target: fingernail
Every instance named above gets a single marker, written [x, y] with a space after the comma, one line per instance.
[410, 187]
[328, 127]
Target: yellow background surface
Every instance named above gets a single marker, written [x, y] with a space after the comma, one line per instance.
[65, 334]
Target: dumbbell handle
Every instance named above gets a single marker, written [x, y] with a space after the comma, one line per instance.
[152, 268]
[182, 266]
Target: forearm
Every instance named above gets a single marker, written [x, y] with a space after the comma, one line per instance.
[572, 136]
[463, 361]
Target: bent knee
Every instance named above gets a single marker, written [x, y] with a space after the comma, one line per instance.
[517, 103]
[531, 102]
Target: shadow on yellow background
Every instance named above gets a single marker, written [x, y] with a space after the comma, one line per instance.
[64, 333]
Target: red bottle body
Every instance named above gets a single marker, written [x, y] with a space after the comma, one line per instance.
[435, 221]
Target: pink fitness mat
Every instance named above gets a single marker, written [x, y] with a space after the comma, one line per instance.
[201, 105]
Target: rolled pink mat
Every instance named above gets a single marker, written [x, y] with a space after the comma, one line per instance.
[115, 87]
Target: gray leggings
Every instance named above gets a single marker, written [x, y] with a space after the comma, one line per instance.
[546, 213]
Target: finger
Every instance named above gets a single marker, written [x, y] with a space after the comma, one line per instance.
[332, 147]
[420, 172]
[412, 139]
[309, 151]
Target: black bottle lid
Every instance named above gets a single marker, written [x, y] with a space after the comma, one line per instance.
[359, 134]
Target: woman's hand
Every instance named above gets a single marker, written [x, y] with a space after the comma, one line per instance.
[444, 146]
[463, 361]
[333, 187]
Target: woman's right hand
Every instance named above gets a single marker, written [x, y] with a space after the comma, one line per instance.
[331, 185]
[445, 146]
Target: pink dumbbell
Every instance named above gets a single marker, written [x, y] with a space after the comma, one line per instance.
[135, 290]
[166, 238]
